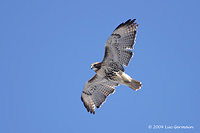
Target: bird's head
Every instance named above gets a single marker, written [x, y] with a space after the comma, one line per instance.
[96, 66]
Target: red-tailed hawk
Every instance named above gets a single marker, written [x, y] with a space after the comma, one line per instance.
[110, 72]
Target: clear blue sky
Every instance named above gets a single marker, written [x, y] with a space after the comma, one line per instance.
[47, 47]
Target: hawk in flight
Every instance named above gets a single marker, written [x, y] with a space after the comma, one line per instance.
[110, 72]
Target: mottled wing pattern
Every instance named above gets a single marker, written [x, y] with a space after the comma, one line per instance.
[95, 92]
[122, 39]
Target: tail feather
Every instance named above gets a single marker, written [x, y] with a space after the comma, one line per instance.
[135, 85]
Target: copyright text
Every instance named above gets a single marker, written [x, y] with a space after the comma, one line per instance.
[170, 127]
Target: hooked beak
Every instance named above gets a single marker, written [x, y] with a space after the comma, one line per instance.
[91, 66]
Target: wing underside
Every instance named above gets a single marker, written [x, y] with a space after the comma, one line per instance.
[121, 40]
[96, 91]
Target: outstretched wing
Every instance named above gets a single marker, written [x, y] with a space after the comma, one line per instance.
[122, 39]
[95, 92]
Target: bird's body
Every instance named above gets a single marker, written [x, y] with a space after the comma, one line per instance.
[114, 74]
[110, 72]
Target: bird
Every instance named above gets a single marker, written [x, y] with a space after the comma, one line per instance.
[110, 72]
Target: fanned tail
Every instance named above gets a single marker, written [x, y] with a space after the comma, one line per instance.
[135, 85]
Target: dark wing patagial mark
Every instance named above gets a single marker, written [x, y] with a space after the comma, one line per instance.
[106, 53]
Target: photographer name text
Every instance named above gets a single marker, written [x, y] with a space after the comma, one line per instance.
[170, 127]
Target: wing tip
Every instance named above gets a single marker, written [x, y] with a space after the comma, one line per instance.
[128, 22]
[91, 112]
[89, 108]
